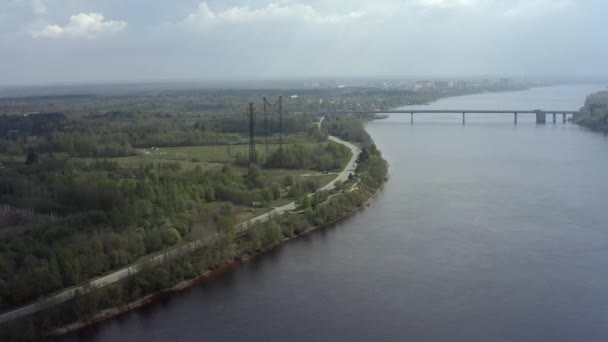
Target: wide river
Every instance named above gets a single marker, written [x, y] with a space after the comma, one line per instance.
[485, 232]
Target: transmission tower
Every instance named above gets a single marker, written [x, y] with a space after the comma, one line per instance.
[279, 103]
[266, 128]
[252, 151]
[280, 131]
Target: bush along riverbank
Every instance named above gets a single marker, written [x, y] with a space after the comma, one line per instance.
[597, 106]
[178, 272]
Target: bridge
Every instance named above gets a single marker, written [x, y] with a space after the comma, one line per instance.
[541, 115]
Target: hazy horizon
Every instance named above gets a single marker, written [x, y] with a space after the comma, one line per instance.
[76, 41]
[321, 78]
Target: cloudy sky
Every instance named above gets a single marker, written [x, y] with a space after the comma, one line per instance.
[57, 41]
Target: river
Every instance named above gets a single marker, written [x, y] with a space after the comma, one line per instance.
[485, 232]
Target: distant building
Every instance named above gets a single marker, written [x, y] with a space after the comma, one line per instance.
[424, 85]
[461, 84]
[505, 81]
[440, 84]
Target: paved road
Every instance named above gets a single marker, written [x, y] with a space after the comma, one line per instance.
[350, 167]
[113, 277]
[342, 176]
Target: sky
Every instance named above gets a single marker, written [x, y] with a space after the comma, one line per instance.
[65, 41]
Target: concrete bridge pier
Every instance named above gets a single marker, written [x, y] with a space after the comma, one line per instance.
[463, 118]
[515, 118]
[554, 120]
[541, 117]
[412, 118]
[564, 118]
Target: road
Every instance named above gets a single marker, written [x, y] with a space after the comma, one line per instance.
[113, 277]
[342, 176]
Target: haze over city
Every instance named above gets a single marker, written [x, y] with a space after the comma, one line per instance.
[54, 41]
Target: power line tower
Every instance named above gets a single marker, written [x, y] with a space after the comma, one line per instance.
[252, 151]
[280, 131]
[266, 128]
[279, 103]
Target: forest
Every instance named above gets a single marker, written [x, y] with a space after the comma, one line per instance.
[86, 193]
[313, 211]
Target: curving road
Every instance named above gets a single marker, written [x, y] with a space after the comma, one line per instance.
[113, 277]
[342, 176]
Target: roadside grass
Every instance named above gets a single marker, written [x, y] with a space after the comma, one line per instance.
[281, 202]
[324, 179]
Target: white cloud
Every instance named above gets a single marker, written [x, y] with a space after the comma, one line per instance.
[83, 25]
[206, 17]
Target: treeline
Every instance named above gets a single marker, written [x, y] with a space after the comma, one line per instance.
[117, 134]
[74, 144]
[13, 126]
[597, 106]
[348, 128]
[324, 157]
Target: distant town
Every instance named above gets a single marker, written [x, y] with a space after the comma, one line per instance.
[427, 84]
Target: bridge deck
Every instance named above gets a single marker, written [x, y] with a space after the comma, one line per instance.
[454, 111]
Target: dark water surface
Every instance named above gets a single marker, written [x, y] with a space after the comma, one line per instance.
[485, 232]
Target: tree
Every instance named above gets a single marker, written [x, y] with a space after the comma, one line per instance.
[256, 178]
[267, 196]
[170, 236]
[32, 158]
[225, 225]
[276, 191]
[288, 180]
[304, 202]
[364, 155]
[226, 210]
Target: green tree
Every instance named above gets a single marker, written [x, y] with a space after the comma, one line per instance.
[276, 191]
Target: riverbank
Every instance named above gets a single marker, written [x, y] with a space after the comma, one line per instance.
[97, 304]
[597, 105]
[239, 259]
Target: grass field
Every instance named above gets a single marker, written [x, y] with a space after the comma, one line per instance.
[190, 156]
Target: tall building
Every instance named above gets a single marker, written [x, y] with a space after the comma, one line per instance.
[461, 84]
[441, 84]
